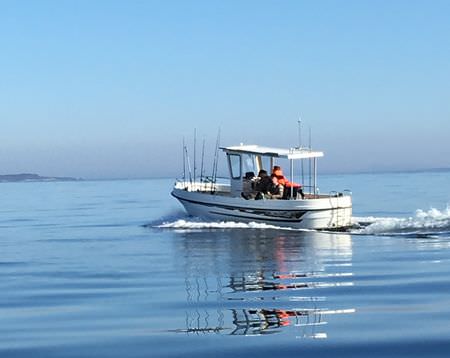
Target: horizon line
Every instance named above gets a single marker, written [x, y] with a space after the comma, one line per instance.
[375, 171]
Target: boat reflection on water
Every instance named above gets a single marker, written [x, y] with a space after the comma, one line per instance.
[256, 282]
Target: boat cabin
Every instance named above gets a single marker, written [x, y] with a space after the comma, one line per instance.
[251, 159]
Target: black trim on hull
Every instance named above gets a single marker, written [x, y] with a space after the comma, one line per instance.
[253, 218]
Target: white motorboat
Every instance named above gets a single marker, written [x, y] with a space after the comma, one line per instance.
[207, 198]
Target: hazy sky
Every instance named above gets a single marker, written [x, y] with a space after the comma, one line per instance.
[101, 89]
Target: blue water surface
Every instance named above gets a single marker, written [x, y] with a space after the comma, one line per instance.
[90, 269]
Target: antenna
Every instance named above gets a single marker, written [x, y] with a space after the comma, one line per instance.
[299, 122]
[310, 169]
[195, 150]
[310, 145]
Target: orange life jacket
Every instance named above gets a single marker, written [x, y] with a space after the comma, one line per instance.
[283, 181]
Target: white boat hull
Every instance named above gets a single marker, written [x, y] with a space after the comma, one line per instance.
[331, 212]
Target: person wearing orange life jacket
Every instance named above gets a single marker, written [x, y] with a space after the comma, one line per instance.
[286, 183]
[279, 174]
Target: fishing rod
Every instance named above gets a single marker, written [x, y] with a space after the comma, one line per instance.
[188, 164]
[216, 154]
[195, 152]
[203, 157]
[184, 163]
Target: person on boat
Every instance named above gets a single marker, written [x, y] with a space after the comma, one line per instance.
[276, 190]
[248, 186]
[262, 184]
[297, 188]
[278, 171]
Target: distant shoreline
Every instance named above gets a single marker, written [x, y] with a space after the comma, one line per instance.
[28, 177]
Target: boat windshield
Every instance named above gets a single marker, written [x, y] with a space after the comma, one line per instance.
[248, 163]
[266, 163]
[235, 165]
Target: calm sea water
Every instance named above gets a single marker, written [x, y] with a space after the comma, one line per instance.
[116, 269]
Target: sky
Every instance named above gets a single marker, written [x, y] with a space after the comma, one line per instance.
[108, 89]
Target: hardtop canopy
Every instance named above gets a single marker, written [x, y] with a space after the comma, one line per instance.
[293, 153]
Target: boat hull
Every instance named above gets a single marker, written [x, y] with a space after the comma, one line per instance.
[332, 212]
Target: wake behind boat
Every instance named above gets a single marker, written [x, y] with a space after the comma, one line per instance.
[299, 206]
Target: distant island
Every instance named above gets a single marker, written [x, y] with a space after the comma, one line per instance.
[27, 177]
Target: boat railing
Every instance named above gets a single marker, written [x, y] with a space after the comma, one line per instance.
[206, 185]
[337, 194]
[222, 187]
[331, 194]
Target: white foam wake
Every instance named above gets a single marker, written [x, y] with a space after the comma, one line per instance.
[431, 221]
[188, 224]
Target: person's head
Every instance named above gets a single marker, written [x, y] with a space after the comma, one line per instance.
[274, 179]
[276, 167]
[249, 175]
[262, 173]
[278, 173]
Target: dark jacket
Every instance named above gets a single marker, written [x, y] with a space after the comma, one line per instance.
[263, 184]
